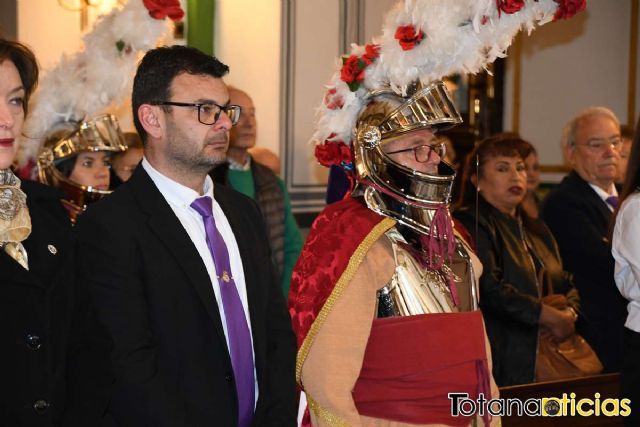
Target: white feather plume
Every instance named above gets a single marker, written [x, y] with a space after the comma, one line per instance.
[460, 36]
[84, 84]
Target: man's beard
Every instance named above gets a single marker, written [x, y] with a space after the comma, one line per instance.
[185, 158]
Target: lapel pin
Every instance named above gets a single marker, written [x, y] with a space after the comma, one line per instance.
[52, 249]
[225, 277]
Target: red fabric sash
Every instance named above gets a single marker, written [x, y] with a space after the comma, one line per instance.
[334, 237]
[407, 380]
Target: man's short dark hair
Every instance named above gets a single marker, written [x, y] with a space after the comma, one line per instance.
[160, 66]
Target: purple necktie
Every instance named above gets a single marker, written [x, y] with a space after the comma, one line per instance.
[237, 328]
[613, 201]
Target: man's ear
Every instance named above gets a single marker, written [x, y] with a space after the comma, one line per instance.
[151, 120]
[569, 153]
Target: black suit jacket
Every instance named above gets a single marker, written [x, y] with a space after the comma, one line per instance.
[154, 295]
[53, 368]
[579, 220]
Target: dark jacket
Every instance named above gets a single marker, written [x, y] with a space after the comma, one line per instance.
[54, 370]
[512, 252]
[579, 220]
[153, 292]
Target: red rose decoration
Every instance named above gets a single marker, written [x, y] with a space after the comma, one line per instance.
[332, 100]
[509, 6]
[568, 8]
[352, 70]
[408, 37]
[160, 9]
[333, 153]
[371, 52]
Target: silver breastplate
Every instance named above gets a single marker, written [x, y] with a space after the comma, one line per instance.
[415, 289]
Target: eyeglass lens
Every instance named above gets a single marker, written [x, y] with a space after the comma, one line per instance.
[422, 152]
[209, 114]
[601, 144]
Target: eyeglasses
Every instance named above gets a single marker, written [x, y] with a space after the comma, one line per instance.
[208, 112]
[601, 144]
[422, 152]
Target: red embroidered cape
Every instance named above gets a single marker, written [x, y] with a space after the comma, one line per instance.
[334, 237]
[339, 237]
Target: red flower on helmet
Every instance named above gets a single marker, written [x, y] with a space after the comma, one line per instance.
[510, 6]
[352, 72]
[333, 152]
[371, 52]
[352, 69]
[332, 100]
[408, 37]
[568, 8]
[160, 9]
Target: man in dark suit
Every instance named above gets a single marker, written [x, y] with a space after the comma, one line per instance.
[180, 271]
[578, 212]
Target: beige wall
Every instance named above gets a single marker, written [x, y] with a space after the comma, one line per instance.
[247, 38]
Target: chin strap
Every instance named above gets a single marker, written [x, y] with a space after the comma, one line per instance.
[439, 244]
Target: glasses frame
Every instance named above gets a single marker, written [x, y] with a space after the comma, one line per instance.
[599, 144]
[432, 148]
[199, 105]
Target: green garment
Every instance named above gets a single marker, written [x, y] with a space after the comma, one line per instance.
[242, 181]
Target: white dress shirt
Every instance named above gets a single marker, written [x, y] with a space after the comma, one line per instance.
[626, 252]
[180, 198]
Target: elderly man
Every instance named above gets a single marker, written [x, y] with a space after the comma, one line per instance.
[578, 213]
[244, 174]
[180, 269]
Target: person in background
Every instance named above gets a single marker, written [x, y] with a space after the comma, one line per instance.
[626, 135]
[180, 269]
[514, 249]
[54, 364]
[76, 158]
[244, 174]
[266, 157]
[531, 203]
[578, 212]
[626, 252]
[124, 163]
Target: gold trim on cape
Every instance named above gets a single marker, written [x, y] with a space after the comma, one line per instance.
[354, 262]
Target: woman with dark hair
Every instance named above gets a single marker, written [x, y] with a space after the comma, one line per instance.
[49, 369]
[626, 252]
[516, 252]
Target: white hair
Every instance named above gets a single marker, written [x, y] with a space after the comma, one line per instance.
[569, 131]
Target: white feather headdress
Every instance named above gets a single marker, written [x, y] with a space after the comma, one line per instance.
[426, 40]
[84, 84]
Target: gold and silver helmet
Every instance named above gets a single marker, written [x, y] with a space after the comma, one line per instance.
[99, 134]
[394, 189]
[388, 116]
